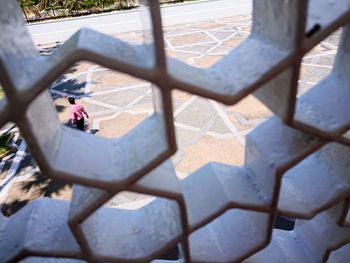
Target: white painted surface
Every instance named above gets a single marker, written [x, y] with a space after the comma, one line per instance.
[125, 21]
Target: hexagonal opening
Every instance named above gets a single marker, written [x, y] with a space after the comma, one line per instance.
[129, 218]
[115, 102]
[208, 131]
[21, 180]
[321, 105]
[217, 241]
[325, 171]
[54, 143]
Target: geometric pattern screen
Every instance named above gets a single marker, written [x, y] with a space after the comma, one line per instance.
[297, 163]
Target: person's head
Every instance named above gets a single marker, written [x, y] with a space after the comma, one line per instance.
[71, 100]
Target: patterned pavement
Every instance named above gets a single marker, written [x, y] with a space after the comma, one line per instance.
[206, 130]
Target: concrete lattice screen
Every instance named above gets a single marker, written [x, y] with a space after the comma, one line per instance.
[296, 164]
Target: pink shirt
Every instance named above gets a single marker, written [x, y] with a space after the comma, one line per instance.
[76, 112]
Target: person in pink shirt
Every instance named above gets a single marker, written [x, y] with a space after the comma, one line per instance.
[76, 114]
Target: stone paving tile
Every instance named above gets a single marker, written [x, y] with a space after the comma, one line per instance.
[241, 126]
[326, 60]
[185, 136]
[109, 79]
[208, 149]
[122, 98]
[220, 127]
[231, 43]
[120, 125]
[250, 108]
[196, 116]
[220, 35]
[178, 95]
[206, 61]
[200, 49]
[188, 39]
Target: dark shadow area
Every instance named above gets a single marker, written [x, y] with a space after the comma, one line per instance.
[43, 185]
[73, 87]
[171, 254]
[60, 108]
[93, 131]
[36, 186]
[11, 208]
[284, 223]
[46, 51]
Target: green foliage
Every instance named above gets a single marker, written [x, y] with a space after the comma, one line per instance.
[2, 93]
[64, 7]
[3, 140]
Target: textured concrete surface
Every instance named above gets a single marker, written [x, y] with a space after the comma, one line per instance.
[206, 130]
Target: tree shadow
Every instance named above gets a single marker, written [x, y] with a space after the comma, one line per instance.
[72, 88]
[60, 108]
[9, 209]
[44, 186]
[47, 51]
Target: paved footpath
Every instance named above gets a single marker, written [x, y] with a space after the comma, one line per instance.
[206, 130]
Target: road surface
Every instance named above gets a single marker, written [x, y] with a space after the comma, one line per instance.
[125, 21]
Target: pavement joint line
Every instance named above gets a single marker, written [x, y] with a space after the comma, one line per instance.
[220, 29]
[328, 45]
[96, 122]
[188, 51]
[329, 53]
[245, 132]
[230, 36]
[132, 103]
[135, 101]
[87, 87]
[209, 50]
[102, 104]
[100, 69]
[178, 158]
[184, 34]
[219, 135]
[99, 113]
[133, 112]
[184, 105]
[181, 175]
[206, 32]
[5, 187]
[227, 121]
[27, 175]
[316, 65]
[243, 121]
[97, 93]
[187, 127]
[207, 126]
[14, 140]
[68, 79]
[168, 43]
[4, 161]
[197, 44]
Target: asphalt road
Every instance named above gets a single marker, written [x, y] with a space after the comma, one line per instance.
[125, 21]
